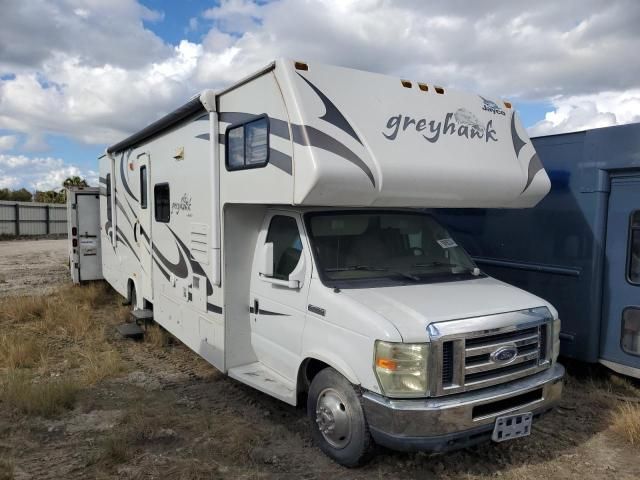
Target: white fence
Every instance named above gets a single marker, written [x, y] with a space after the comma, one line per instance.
[30, 218]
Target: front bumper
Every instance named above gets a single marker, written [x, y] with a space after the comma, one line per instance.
[457, 421]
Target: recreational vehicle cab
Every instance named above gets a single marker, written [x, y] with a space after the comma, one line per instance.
[275, 227]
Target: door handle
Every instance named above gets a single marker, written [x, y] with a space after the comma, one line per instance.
[256, 306]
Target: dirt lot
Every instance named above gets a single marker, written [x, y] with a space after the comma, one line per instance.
[122, 409]
[32, 266]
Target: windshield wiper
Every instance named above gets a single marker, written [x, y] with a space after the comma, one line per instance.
[369, 268]
[444, 264]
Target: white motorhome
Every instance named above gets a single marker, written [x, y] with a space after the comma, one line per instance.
[83, 234]
[275, 227]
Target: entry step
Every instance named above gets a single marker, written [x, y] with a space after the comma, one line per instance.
[130, 330]
[266, 380]
[142, 315]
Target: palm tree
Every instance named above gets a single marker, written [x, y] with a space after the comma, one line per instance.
[75, 181]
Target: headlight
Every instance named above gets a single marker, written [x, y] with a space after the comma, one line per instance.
[401, 368]
[556, 340]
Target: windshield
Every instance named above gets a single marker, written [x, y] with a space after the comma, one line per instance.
[355, 248]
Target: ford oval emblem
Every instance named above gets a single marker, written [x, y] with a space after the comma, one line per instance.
[505, 354]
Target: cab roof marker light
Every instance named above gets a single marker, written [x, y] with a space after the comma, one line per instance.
[423, 86]
[507, 104]
[406, 83]
[439, 90]
[301, 66]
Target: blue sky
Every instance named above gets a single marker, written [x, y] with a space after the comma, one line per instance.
[77, 75]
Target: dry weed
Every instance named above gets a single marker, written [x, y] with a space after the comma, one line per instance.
[99, 365]
[626, 422]
[17, 309]
[19, 351]
[46, 398]
[157, 336]
[6, 469]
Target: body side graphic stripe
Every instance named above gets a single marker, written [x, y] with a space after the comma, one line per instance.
[306, 136]
[332, 115]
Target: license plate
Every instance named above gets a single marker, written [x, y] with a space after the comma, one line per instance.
[509, 427]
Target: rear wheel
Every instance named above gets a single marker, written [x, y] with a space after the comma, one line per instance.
[338, 424]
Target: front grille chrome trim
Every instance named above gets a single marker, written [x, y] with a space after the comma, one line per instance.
[473, 367]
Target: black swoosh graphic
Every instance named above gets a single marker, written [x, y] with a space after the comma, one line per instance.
[332, 115]
[518, 143]
[306, 136]
[195, 266]
[144, 234]
[124, 179]
[535, 165]
[118, 204]
[120, 236]
[162, 270]
[179, 269]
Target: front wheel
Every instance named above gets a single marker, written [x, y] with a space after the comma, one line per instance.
[338, 424]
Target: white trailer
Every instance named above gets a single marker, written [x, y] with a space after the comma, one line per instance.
[275, 228]
[83, 234]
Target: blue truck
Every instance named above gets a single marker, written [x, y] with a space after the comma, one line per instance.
[579, 248]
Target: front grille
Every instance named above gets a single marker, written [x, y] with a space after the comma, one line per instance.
[467, 360]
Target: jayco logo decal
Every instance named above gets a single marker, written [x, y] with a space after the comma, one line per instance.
[491, 106]
[462, 123]
[184, 205]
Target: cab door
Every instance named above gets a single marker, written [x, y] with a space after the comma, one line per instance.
[277, 304]
[620, 340]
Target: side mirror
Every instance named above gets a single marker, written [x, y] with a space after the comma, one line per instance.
[297, 276]
[266, 262]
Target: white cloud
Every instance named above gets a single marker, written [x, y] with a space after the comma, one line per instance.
[92, 71]
[39, 173]
[581, 112]
[7, 142]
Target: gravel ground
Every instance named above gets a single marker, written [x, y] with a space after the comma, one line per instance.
[171, 415]
[32, 266]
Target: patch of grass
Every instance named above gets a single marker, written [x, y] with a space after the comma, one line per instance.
[114, 449]
[100, 365]
[157, 336]
[626, 422]
[19, 351]
[46, 398]
[6, 469]
[16, 309]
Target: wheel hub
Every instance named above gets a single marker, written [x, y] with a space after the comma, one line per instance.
[333, 418]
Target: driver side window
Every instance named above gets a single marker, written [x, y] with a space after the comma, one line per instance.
[287, 246]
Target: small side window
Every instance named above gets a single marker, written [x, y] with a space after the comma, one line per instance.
[109, 214]
[247, 145]
[162, 205]
[287, 246]
[634, 248]
[631, 330]
[143, 186]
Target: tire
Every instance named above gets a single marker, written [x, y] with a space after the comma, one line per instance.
[338, 424]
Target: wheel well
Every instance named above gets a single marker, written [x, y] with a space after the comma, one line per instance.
[309, 368]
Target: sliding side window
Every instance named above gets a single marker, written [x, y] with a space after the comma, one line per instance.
[634, 248]
[143, 186]
[247, 144]
[108, 182]
[162, 205]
